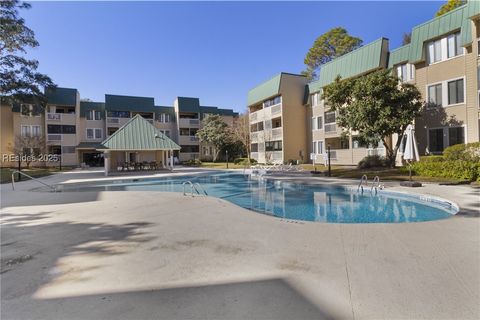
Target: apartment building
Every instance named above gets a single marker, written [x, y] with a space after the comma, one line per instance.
[442, 60]
[75, 129]
[190, 115]
[278, 128]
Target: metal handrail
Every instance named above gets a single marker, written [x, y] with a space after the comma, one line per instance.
[191, 187]
[360, 185]
[377, 180]
[200, 186]
[29, 176]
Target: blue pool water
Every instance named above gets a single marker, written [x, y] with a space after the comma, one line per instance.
[295, 200]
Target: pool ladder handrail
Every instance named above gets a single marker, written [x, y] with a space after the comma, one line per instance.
[362, 179]
[193, 187]
[53, 188]
[375, 184]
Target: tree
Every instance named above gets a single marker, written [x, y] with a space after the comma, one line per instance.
[27, 148]
[19, 79]
[215, 132]
[406, 38]
[376, 105]
[241, 132]
[332, 44]
[449, 6]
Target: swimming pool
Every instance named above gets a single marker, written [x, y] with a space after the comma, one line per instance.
[295, 201]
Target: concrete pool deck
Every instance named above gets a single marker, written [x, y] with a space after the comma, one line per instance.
[144, 255]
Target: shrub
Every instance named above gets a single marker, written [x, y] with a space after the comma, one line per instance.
[192, 163]
[244, 161]
[455, 169]
[467, 152]
[374, 161]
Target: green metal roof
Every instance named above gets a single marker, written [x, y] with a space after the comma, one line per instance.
[186, 104]
[90, 145]
[399, 55]
[216, 110]
[139, 134]
[129, 103]
[61, 96]
[90, 105]
[458, 19]
[355, 63]
[265, 90]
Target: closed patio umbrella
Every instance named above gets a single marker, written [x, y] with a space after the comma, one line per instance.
[410, 154]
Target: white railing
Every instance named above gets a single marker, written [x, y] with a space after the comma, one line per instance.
[54, 116]
[376, 152]
[254, 155]
[194, 121]
[113, 120]
[253, 116]
[277, 155]
[276, 108]
[54, 137]
[330, 127]
[193, 138]
[254, 136]
[277, 133]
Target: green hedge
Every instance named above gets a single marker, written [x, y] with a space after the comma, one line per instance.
[244, 161]
[192, 163]
[466, 152]
[455, 169]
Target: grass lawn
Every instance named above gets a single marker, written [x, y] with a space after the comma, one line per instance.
[384, 173]
[6, 173]
[221, 165]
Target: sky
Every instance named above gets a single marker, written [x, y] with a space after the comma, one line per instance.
[216, 51]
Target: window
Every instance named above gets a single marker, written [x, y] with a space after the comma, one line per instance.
[164, 117]
[272, 102]
[435, 95]
[454, 49]
[314, 123]
[166, 132]
[406, 72]
[319, 147]
[435, 140]
[273, 145]
[316, 99]
[25, 131]
[456, 136]
[254, 147]
[455, 91]
[190, 149]
[434, 51]
[330, 117]
[29, 110]
[95, 133]
[111, 130]
[36, 131]
[57, 129]
[319, 123]
[118, 114]
[256, 127]
[94, 115]
[314, 147]
[90, 134]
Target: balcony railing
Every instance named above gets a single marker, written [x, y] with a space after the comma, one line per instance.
[330, 127]
[277, 133]
[54, 137]
[193, 138]
[254, 155]
[276, 109]
[113, 120]
[54, 116]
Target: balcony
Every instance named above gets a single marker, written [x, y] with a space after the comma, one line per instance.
[188, 140]
[276, 109]
[54, 116]
[54, 137]
[330, 127]
[256, 116]
[277, 133]
[186, 123]
[113, 120]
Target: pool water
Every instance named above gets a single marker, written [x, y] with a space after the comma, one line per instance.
[296, 200]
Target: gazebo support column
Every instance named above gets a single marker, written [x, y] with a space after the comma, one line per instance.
[106, 162]
[171, 159]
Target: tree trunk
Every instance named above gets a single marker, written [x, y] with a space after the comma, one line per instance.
[19, 169]
[215, 154]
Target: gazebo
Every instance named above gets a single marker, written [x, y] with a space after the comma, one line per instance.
[138, 141]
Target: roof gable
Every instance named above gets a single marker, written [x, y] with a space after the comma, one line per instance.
[139, 134]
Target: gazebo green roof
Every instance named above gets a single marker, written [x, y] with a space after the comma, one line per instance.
[140, 135]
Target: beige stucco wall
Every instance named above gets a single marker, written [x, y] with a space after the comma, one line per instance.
[6, 133]
[294, 118]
